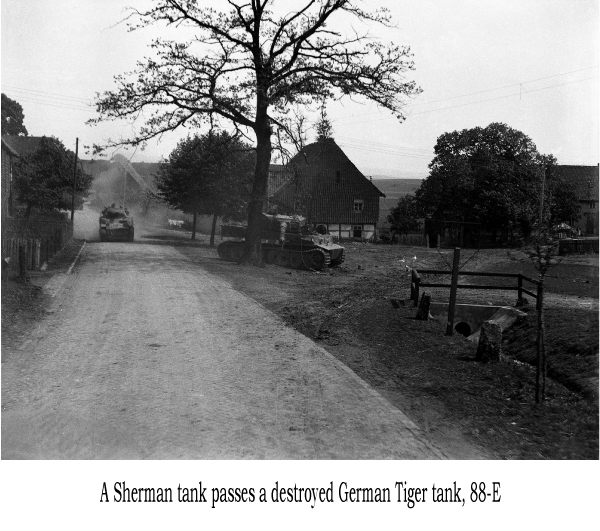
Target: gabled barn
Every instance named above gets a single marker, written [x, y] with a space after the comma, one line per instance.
[584, 179]
[322, 184]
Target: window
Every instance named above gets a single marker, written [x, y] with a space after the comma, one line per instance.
[592, 204]
[357, 231]
[358, 205]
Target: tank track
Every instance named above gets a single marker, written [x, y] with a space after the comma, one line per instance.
[313, 259]
[340, 261]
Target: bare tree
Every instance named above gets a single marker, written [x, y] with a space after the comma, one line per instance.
[542, 249]
[246, 65]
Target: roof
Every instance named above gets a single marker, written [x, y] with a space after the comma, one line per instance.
[583, 178]
[328, 148]
[22, 145]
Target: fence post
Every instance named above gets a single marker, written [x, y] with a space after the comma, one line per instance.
[453, 289]
[37, 251]
[427, 241]
[414, 286]
[540, 296]
[22, 258]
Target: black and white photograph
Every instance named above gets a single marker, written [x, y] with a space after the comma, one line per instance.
[299, 258]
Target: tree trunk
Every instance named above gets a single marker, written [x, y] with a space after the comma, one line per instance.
[194, 218]
[213, 230]
[252, 250]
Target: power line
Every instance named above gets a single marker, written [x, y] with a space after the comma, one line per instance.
[55, 104]
[479, 101]
[41, 93]
[478, 92]
[503, 87]
[385, 151]
[415, 151]
[502, 97]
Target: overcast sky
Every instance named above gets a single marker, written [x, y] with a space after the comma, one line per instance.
[532, 64]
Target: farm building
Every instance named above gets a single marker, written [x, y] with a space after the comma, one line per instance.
[322, 184]
[585, 180]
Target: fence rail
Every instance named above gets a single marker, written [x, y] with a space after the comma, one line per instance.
[574, 246]
[33, 242]
[417, 283]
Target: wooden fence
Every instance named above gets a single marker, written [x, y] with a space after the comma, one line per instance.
[33, 242]
[16, 249]
[577, 246]
[417, 283]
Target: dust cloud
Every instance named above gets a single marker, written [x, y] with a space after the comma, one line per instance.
[112, 184]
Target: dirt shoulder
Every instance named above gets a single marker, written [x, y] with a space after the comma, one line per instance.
[463, 406]
[24, 303]
[466, 408]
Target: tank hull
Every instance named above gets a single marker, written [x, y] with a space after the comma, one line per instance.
[115, 224]
[308, 257]
[286, 241]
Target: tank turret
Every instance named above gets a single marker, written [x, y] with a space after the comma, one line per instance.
[115, 223]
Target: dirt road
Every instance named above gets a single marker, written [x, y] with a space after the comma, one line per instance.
[147, 355]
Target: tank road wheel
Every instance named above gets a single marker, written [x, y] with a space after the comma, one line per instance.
[296, 260]
[283, 258]
[222, 251]
[271, 256]
[236, 252]
[317, 260]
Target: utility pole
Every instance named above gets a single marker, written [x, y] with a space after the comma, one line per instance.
[540, 373]
[541, 218]
[74, 179]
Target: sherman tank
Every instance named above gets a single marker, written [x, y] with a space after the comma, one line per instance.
[116, 224]
[287, 241]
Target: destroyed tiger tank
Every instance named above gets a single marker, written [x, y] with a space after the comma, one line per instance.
[116, 224]
[287, 241]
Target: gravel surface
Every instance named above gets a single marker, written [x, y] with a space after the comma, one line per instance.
[143, 354]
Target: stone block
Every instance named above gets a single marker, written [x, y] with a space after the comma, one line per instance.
[490, 342]
[423, 311]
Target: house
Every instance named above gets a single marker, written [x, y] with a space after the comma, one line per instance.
[13, 149]
[42, 233]
[9, 158]
[322, 184]
[585, 180]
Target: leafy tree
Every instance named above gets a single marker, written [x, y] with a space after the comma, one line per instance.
[323, 126]
[44, 179]
[208, 175]
[249, 65]
[491, 175]
[12, 117]
[403, 217]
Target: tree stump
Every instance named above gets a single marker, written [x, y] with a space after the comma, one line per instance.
[490, 342]
[423, 311]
